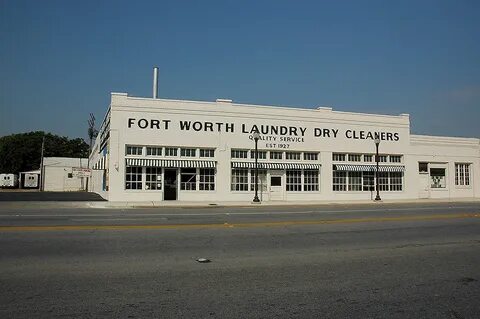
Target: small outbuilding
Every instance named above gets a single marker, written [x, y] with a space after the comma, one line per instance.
[64, 174]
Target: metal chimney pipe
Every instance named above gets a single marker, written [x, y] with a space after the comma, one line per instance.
[155, 82]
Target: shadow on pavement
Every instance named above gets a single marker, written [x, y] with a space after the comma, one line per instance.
[16, 196]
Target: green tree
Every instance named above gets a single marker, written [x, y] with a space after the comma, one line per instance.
[22, 152]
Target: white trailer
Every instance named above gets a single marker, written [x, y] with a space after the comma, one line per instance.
[8, 180]
[30, 180]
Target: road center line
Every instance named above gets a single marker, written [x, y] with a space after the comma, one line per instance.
[383, 209]
[243, 225]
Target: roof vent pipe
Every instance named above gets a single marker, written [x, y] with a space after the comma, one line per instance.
[155, 82]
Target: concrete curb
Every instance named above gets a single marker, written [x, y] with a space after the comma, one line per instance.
[133, 205]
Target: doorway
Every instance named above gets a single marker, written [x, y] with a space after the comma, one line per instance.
[276, 185]
[170, 184]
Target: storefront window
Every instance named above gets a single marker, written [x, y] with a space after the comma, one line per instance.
[354, 181]
[262, 180]
[207, 179]
[462, 174]
[188, 179]
[383, 181]
[437, 177]
[396, 181]
[294, 180]
[369, 181]
[153, 178]
[339, 181]
[133, 178]
[310, 180]
[239, 180]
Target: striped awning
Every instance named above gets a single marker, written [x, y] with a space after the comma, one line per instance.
[170, 163]
[264, 165]
[368, 168]
[100, 164]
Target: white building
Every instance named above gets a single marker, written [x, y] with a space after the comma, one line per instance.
[152, 149]
[59, 174]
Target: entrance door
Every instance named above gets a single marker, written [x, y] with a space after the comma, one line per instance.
[424, 185]
[170, 184]
[277, 189]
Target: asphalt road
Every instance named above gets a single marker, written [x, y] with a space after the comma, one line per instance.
[361, 261]
[18, 195]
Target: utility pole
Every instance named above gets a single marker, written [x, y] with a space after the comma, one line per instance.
[92, 133]
[42, 180]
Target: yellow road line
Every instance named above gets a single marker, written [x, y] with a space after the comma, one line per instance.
[227, 225]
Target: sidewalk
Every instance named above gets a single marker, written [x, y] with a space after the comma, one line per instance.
[180, 204]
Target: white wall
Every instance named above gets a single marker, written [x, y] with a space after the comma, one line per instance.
[125, 129]
[56, 174]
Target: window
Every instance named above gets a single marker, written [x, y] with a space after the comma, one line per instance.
[310, 156]
[188, 179]
[437, 177]
[261, 154]
[293, 156]
[276, 155]
[368, 158]
[337, 157]
[294, 180]
[188, 152]
[354, 181]
[382, 158]
[396, 181]
[275, 180]
[262, 180]
[69, 175]
[462, 174]
[171, 151]
[207, 152]
[354, 157]
[395, 158]
[239, 179]
[339, 181]
[383, 181]
[368, 181]
[239, 153]
[423, 167]
[154, 151]
[153, 178]
[310, 180]
[133, 178]
[207, 179]
[134, 150]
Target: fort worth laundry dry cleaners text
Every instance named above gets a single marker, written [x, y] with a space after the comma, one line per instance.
[276, 136]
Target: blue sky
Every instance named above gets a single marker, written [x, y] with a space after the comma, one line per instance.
[60, 60]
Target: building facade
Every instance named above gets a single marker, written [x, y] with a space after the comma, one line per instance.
[59, 174]
[155, 150]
